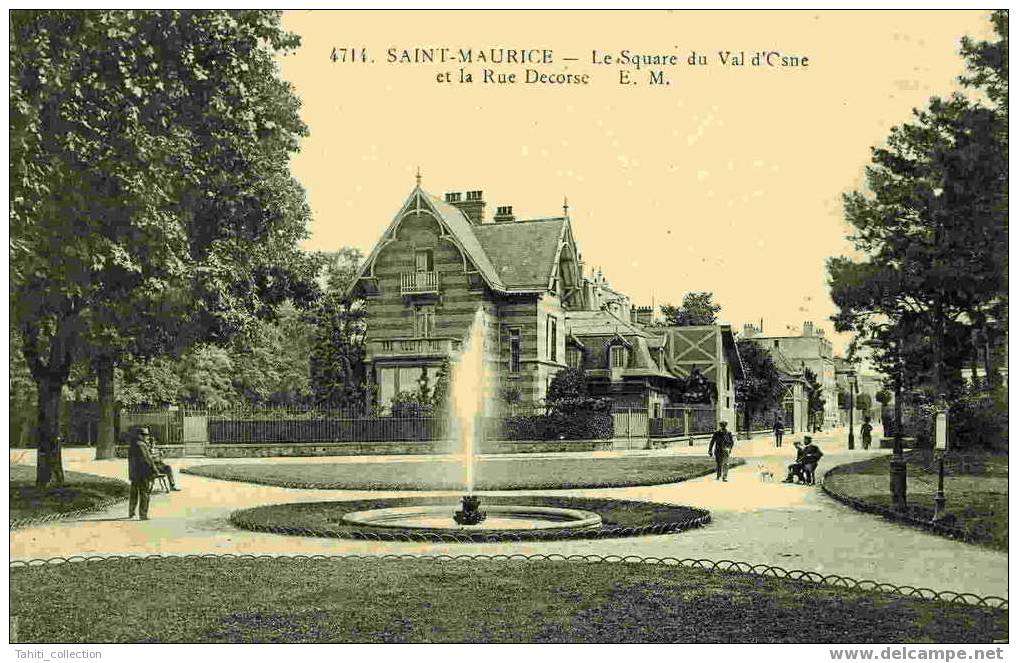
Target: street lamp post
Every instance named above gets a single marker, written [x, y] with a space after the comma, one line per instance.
[851, 410]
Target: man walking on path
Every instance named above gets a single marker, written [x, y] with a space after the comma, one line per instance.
[779, 431]
[721, 443]
[141, 469]
[867, 433]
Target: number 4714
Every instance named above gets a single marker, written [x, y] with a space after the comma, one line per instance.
[349, 54]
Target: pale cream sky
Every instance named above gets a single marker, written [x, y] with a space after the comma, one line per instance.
[729, 179]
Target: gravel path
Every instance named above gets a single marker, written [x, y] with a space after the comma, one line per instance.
[754, 521]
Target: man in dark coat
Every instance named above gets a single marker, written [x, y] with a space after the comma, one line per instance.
[867, 433]
[811, 456]
[721, 443]
[779, 431]
[142, 469]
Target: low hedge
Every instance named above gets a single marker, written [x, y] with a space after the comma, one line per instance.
[557, 426]
[380, 429]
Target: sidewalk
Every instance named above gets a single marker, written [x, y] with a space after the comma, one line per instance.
[795, 527]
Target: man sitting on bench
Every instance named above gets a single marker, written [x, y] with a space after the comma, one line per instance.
[806, 459]
[164, 469]
[811, 456]
[795, 469]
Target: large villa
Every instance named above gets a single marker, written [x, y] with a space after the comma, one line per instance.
[440, 259]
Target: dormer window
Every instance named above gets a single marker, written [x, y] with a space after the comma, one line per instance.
[618, 356]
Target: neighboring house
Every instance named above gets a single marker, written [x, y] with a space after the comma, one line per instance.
[811, 349]
[711, 350]
[621, 360]
[795, 402]
[440, 260]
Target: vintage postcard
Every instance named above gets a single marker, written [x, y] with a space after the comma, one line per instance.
[492, 326]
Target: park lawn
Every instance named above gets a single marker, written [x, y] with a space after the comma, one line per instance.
[293, 600]
[975, 487]
[80, 491]
[491, 474]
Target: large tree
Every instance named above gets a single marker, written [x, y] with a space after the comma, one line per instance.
[338, 325]
[932, 225]
[760, 388]
[151, 205]
[698, 308]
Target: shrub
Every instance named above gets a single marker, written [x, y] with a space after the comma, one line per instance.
[558, 426]
[978, 420]
[409, 405]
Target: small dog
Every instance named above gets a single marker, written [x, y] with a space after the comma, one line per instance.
[765, 473]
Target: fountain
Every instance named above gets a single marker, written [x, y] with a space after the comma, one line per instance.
[469, 388]
[471, 513]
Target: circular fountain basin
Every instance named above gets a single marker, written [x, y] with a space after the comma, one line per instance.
[500, 517]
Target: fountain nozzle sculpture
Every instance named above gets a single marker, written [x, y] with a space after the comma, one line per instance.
[471, 513]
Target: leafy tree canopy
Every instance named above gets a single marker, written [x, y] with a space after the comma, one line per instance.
[698, 308]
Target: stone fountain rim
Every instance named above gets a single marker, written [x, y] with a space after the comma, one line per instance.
[558, 518]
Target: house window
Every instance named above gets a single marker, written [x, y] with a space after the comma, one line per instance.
[776, 342]
[618, 356]
[424, 260]
[424, 321]
[574, 358]
[515, 350]
[552, 339]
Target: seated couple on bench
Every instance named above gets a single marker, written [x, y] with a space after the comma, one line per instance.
[806, 459]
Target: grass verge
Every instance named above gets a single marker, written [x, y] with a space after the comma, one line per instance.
[975, 487]
[490, 474]
[80, 492]
[293, 600]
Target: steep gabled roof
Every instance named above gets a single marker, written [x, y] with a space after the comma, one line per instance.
[511, 257]
[463, 231]
[524, 252]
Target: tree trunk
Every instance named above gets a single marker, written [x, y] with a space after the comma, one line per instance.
[988, 360]
[104, 446]
[974, 362]
[49, 467]
[749, 423]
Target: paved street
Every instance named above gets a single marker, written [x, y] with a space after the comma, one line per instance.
[753, 521]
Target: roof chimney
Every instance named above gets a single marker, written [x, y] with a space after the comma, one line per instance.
[472, 207]
[504, 214]
[644, 315]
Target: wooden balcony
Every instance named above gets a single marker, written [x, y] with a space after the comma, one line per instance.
[413, 347]
[418, 283]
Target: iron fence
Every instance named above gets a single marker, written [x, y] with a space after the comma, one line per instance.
[684, 421]
[719, 566]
